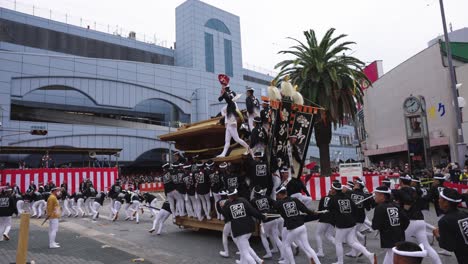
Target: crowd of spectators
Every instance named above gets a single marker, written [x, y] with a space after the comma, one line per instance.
[139, 178]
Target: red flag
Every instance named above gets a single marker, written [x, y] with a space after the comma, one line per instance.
[311, 165]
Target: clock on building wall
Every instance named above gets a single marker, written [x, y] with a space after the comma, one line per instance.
[411, 105]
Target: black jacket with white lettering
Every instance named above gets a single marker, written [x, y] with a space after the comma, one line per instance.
[259, 174]
[189, 183]
[215, 180]
[453, 230]
[290, 210]
[114, 191]
[177, 178]
[240, 213]
[391, 222]
[7, 206]
[264, 204]
[202, 182]
[323, 205]
[343, 210]
[359, 195]
[169, 186]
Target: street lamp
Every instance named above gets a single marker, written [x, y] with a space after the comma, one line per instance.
[459, 146]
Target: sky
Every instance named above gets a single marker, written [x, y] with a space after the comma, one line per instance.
[391, 30]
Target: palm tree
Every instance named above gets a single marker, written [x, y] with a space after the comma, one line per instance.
[328, 78]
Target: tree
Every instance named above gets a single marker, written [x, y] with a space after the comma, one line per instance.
[327, 78]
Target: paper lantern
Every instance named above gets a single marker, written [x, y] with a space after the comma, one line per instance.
[461, 102]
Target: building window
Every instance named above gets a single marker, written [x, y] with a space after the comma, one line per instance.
[209, 52]
[228, 57]
[217, 25]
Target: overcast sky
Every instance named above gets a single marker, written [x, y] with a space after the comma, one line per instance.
[391, 30]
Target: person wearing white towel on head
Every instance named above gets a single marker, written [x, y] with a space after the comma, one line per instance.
[161, 217]
[410, 201]
[253, 106]
[202, 187]
[343, 209]
[192, 204]
[241, 214]
[96, 203]
[408, 253]
[389, 220]
[230, 113]
[325, 226]
[290, 210]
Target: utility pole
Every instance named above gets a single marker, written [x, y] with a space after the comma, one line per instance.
[458, 147]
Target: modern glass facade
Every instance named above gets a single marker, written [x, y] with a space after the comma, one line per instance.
[209, 52]
[228, 57]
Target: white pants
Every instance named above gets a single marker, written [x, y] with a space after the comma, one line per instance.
[160, 219]
[231, 132]
[226, 233]
[416, 232]
[176, 202]
[116, 207]
[324, 230]
[348, 235]
[5, 225]
[95, 209]
[217, 197]
[53, 228]
[196, 206]
[244, 249]
[298, 235]
[19, 207]
[388, 256]
[270, 231]
[87, 206]
[111, 207]
[206, 204]
[306, 200]
[79, 206]
[276, 184]
[38, 208]
[189, 205]
[359, 236]
[154, 204]
[133, 209]
[67, 208]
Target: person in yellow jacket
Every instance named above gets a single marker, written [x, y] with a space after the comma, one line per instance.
[53, 214]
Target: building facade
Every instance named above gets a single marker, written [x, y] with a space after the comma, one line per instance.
[91, 89]
[424, 74]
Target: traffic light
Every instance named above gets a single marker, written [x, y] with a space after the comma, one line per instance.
[38, 132]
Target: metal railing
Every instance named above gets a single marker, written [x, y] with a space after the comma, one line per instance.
[81, 22]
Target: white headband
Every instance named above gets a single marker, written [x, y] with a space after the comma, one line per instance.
[281, 189]
[223, 165]
[234, 192]
[382, 191]
[336, 188]
[415, 254]
[450, 199]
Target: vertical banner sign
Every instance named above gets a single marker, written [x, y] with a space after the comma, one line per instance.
[281, 114]
[302, 128]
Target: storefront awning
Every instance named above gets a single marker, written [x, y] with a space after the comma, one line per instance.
[435, 142]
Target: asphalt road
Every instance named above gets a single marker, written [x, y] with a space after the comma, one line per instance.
[104, 241]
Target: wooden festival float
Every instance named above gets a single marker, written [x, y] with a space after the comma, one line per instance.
[204, 140]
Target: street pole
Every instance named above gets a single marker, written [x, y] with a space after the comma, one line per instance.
[458, 147]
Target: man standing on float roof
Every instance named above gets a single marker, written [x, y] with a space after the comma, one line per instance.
[230, 113]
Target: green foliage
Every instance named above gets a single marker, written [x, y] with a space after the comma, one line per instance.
[325, 75]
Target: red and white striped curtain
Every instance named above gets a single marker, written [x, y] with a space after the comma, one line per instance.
[102, 178]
